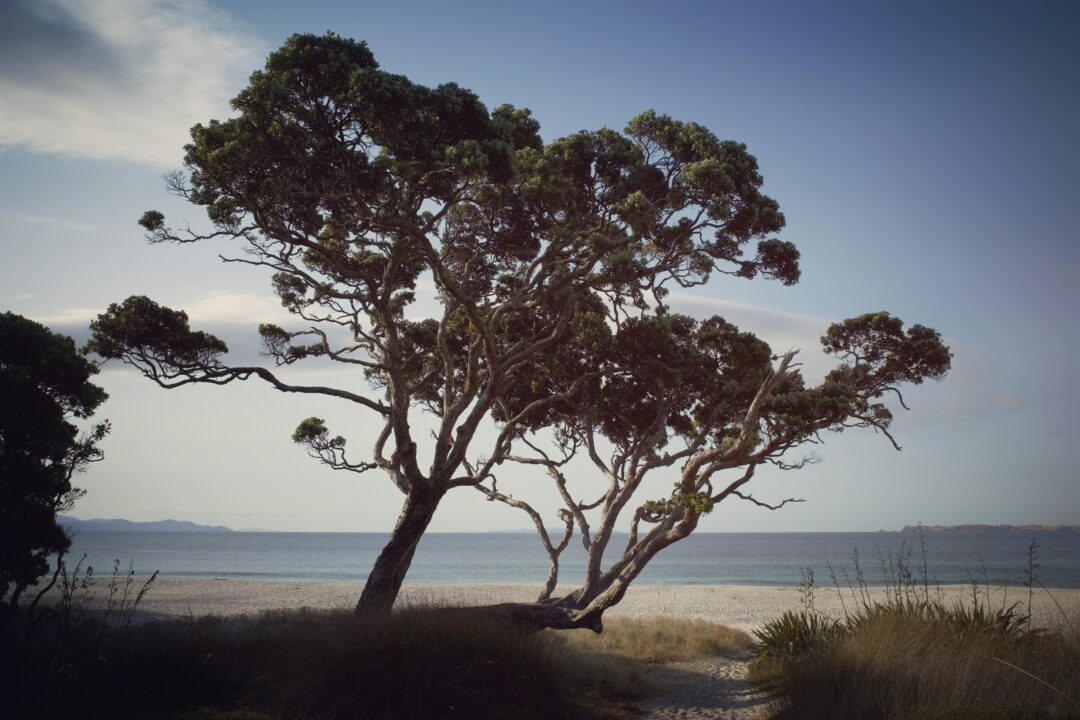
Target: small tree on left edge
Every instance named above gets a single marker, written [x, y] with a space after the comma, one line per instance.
[45, 384]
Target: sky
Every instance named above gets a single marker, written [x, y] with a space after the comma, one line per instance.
[924, 154]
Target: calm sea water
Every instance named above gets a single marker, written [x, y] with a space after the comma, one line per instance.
[703, 558]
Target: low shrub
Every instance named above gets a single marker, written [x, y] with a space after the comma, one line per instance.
[794, 634]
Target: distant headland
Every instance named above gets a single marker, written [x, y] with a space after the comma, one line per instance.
[990, 528]
[100, 525]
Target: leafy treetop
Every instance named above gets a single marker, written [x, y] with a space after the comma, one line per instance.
[353, 185]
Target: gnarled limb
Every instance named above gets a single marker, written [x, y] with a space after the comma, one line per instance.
[553, 550]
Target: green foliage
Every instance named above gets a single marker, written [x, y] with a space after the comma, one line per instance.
[794, 634]
[152, 220]
[310, 429]
[45, 384]
[323, 116]
[277, 343]
[141, 328]
[671, 367]
[699, 502]
[881, 354]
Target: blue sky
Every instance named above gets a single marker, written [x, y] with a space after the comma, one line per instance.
[924, 154]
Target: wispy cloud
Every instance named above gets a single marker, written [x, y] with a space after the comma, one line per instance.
[973, 391]
[783, 330]
[221, 306]
[216, 307]
[117, 79]
[68, 317]
[44, 220]
[774, 320]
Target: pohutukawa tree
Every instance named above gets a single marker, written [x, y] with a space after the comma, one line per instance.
[700, 400]
[550, 265]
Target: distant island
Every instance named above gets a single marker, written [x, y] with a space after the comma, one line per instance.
[101, 525]
[990, 528]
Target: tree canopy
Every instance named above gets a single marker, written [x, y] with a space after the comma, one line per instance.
[706, 401]
[549, 263]
[45, 385]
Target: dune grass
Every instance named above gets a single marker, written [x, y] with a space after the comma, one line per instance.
[610, 670]
[660, 639]
[415, 663]
[907, 655]
[418, 662]
[914, 664]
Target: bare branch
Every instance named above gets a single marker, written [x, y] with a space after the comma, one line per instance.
[553, 551]
[759, 503]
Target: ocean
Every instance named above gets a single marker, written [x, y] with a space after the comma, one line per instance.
[999, 558]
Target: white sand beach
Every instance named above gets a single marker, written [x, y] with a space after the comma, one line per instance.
[739, 606]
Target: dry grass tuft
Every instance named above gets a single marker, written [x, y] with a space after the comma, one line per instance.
[610, 670]
[905, 665]
[661, 639]
[910, 656]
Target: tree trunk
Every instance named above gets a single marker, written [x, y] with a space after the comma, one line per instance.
[384, 582]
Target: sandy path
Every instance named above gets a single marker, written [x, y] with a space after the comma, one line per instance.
[716, 688]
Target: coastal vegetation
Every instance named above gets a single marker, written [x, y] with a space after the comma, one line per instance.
[900, 651]
[417, 662]
[921, 661]
[659, 639]
[904, 653]
[471, 271]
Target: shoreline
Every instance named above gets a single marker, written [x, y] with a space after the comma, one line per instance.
[873, 588]
[744, 607]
